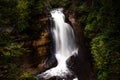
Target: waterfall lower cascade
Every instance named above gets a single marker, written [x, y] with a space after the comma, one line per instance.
[65, 47]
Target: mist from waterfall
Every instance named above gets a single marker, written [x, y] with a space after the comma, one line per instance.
[65, 46]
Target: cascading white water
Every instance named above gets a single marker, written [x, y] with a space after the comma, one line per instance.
[65, 45]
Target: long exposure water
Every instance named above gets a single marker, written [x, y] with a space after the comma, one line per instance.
[65, 46]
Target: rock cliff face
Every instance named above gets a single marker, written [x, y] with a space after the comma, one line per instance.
[83, 63]
[41, 47]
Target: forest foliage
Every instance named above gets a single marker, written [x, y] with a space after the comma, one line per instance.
[99, 18]
[103, 29]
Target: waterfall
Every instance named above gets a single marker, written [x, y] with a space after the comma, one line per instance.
[65, 47]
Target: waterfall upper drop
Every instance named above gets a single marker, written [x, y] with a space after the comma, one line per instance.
[65, 46]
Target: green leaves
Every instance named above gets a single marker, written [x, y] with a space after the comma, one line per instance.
[12, 49]
[23, 14]
[22, 5]
[27, 75]
[7, 12]
[101, 26]
[98, 51]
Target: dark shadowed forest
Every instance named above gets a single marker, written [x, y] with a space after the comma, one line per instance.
[25, 39]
